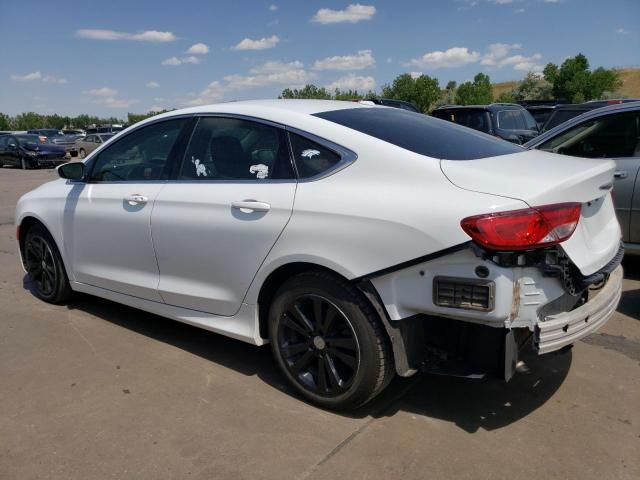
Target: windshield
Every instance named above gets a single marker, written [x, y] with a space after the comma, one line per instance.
[561, 116]
[420, 133]
[28, 139]
[541, 115]
[476, 119]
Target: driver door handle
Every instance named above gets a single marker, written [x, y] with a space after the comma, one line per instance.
[620, 174]
[248, 206]
[136, 199]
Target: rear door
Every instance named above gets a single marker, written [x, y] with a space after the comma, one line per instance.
[214, 225]
[614, 137]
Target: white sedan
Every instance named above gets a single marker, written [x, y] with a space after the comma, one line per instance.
[360, 241]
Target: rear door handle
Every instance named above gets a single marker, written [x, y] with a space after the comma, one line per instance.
[136, 199]
[248, 206]
[620, 174]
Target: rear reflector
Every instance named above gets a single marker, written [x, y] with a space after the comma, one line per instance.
[463, 293]
[524, 229]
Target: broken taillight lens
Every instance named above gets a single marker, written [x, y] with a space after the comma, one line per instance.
[524, 229]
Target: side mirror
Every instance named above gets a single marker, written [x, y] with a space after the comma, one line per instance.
[12, 146]
[72, 171]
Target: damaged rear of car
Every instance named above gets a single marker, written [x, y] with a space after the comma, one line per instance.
[539, 267]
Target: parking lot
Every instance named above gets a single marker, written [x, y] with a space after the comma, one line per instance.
[99, 390]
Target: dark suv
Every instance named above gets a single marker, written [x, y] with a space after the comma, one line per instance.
[505, 120]
[562, 113]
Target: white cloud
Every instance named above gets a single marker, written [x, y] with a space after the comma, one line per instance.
[276, 67]
[453, 57]
[293, 77]
[213, 93]
[415, 75]
[262, 44]
[111, 102]
[623, 31]
[191, 59]
[360, 60]
[33, 76]
[354, 13]
[498, 51]
[502, 2]
[52, 79]
[27, 77]
[173, 61]
[353, 82]
[101, 92]
[146, 36]
[198, 49]
[152, 84]
[273, 8]
[551, 1]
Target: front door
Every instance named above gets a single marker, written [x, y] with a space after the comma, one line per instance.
[108, 217]
[215, 224]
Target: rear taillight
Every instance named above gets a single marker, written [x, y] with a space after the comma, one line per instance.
[523, 229]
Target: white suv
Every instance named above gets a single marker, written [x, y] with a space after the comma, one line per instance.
[360, 241]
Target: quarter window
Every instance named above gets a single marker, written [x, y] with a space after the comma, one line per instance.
[141, 155]
[236, 149]
[311, 158]
[613, 136]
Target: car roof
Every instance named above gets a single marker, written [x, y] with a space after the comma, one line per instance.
[491, 106]
[587, 115]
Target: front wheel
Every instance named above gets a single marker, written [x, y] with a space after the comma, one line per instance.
[24, 163]
[328, 341]
[44, 266]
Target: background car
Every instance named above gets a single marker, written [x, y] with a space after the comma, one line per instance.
[565, 112]
[508, 121]
[83, 146]
[54, 136]
[74, 132]
[607, 133]
[110, 128]
[389, 102]
[27, 151]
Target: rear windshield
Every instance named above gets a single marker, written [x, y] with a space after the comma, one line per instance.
[476, 119]
[420, 133]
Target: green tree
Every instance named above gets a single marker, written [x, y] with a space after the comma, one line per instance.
[5, 122]
[478, 92]
[309, 91]
[574, 81]
[422, 91]
[532, 87]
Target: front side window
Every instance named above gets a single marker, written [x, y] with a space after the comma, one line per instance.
[141, 155]
[613, 136]
[236, 149]
[510, 120]
[311, 158]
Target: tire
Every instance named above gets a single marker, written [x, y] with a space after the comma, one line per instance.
[82, 153]
[44, 266]
[24, 164]
[329, 342]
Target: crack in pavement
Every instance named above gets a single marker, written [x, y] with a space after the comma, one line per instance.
[374, 416]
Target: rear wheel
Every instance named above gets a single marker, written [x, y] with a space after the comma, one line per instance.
[328, 341]
[44, 266]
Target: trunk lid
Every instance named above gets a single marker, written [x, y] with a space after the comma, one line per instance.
[542, 178]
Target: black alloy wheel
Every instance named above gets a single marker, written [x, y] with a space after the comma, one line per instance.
[41, 265]
[318, 345]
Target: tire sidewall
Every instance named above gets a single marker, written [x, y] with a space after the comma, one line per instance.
[61, 276]
[367, 373]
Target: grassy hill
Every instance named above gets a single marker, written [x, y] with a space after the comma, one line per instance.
[630, 84]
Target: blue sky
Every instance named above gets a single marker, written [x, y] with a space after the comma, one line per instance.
[109, 58]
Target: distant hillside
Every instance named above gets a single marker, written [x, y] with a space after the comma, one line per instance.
[630, 84]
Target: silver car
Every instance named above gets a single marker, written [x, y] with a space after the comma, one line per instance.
[85, 145]
[609, 132]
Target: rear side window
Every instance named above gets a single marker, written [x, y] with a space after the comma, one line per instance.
[311, 158]
[510, 120]
[420, 133]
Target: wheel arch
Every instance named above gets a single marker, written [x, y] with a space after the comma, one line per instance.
[25, 224]
[272, 283]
